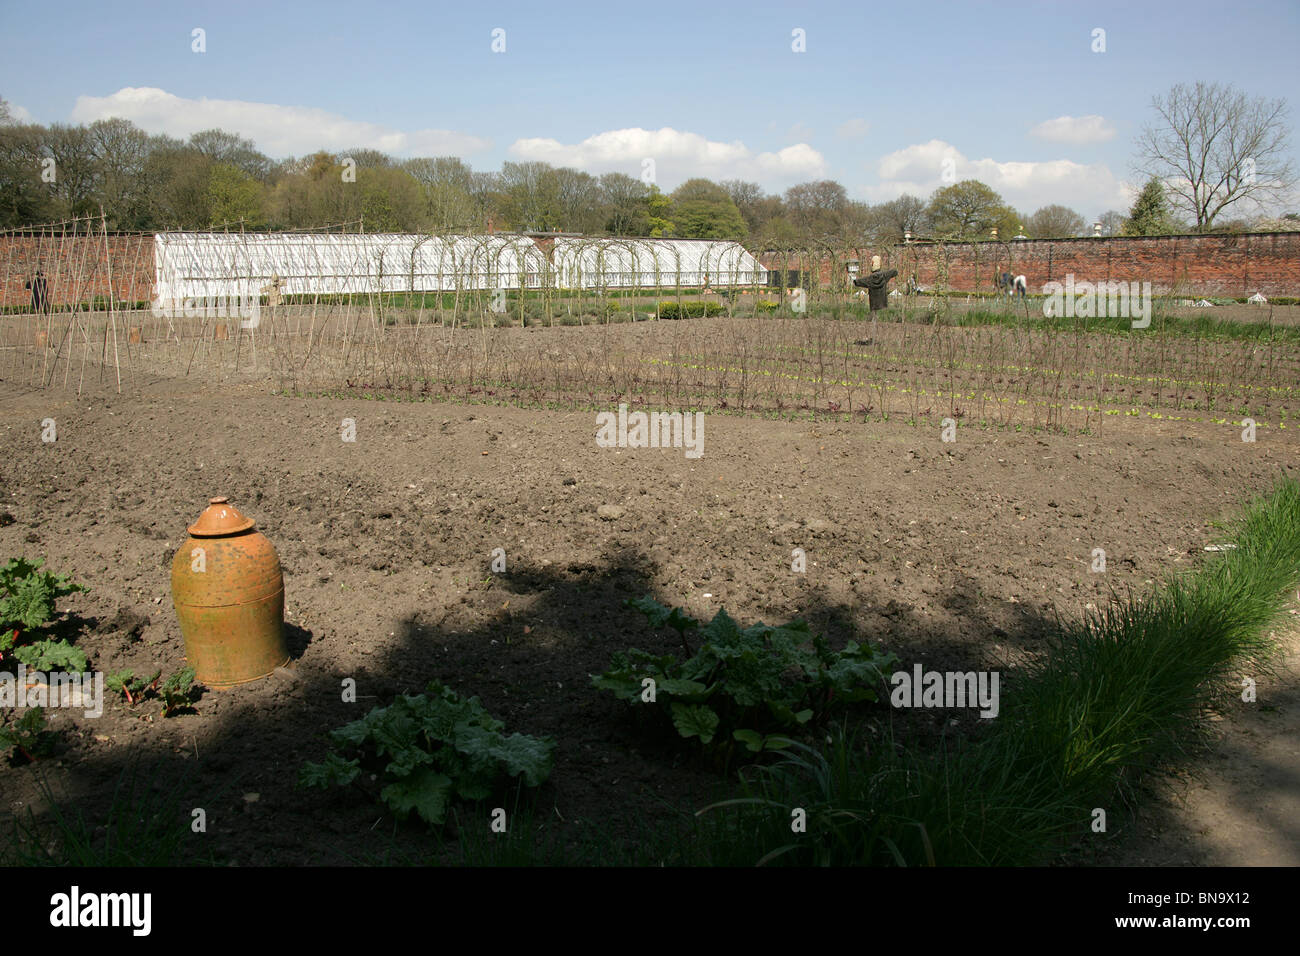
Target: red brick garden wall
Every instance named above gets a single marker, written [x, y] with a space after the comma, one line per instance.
[77, 268]
[1219, 265]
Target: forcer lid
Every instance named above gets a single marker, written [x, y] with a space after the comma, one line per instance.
[220, 518]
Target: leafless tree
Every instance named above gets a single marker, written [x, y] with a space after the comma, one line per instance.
[221, 146]
[892, 221]
[624, 200]
[1112, 222]
[1056, 222]
[120, 149]
[1213, 146]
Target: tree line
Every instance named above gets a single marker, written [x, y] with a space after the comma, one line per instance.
[217, 179]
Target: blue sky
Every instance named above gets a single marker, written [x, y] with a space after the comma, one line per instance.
[1011, 93]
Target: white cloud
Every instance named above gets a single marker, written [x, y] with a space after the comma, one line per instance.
[1076, 130]
[677, 156]
[918, 169]
[277, 130]
[852, 129]
[20, 115]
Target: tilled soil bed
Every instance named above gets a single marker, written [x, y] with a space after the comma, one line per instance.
[954, 555]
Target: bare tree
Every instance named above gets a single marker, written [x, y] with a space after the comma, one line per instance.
[74, 177]
[578, 195]
[817, 207]
[120, 149]
[624, 202]
[1214, 146]
[1112, 222]
[1055, 222]
[367, 158]
[893, 220]
[532, 201]
[447, 183]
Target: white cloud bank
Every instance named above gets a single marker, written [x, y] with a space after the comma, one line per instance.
[1075, 130]
[277, 130]
[1090, 189]
[18, 114]
[677, 156]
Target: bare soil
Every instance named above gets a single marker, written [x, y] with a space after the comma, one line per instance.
[952, 555]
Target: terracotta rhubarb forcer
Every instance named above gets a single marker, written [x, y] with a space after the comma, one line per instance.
[229, 596]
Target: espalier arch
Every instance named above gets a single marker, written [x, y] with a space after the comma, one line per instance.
[337, 310]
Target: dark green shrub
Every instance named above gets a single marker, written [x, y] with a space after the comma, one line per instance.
[689, 310]
[745, 685]
[428, 750]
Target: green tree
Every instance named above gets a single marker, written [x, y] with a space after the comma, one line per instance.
[1150, 213]
[970, 210]
[658, 209]
[702, 209]
[701, 219]
[366, 158]
[175, 184]
[311, 192]
[388, 200]
[778, 231]
[234, 196]
[24, 199]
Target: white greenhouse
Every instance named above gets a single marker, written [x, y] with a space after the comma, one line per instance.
[205, 267]
[208, 266]
[582, 263]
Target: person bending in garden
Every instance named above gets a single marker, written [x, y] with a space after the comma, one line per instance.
[40, 292]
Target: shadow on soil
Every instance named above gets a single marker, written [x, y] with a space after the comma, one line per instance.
[612, 780]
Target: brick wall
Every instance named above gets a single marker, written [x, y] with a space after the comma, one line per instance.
[77, 268]
[1220, 265]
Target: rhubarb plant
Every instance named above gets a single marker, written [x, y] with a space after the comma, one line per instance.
[28, 613]
[131, 687]
[428, 750]
[27, 735]
[176, 692]
[752, 685]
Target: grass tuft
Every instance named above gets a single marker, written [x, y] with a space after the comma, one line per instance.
[1119, 694]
